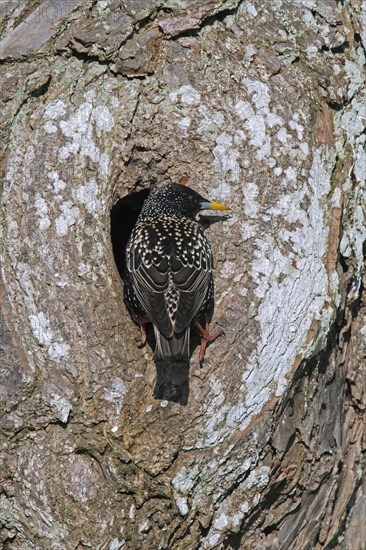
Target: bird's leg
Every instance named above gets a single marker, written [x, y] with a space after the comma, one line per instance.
[142, 323]
[206, 337]
[143, 333]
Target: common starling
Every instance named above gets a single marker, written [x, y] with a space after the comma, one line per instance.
[168, 279]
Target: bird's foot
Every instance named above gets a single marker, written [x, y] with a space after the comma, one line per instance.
[143, 335]
[206, 338]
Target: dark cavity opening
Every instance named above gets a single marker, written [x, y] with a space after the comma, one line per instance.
[124, 215]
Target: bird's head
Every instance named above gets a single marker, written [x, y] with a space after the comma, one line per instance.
[179, 200]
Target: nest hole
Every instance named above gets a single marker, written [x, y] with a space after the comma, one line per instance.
[124, 215]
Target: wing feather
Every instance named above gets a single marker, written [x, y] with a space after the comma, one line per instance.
[192, 280]
[171, 282]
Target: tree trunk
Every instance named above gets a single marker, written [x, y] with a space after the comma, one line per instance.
[258, 105]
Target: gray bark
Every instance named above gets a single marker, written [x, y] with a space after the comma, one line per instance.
[261, 106]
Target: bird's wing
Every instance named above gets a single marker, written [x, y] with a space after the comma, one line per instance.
[151, 284]
[171, 285]
[150, 280]
[192, 274]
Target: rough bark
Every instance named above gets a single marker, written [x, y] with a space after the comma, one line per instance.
[259, 105]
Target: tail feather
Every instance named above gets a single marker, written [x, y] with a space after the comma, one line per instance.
[175, 348]
[172, 363]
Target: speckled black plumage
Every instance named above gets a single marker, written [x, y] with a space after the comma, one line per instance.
[169, 278]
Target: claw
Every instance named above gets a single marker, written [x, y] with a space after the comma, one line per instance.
[206, 338]
[142, 323]
[143, 334]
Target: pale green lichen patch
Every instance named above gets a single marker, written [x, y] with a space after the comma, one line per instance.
[42, 212]
[185, 480]
[114, 394]
[69, 215]
[58, 184]
[41, 328]
[103, 118]
[182, 505]
[55, 110]
[254, 109]
[234, 508]
[88, 195]
[62, 407]
[79, 129]
[350, 127]
[289, 279]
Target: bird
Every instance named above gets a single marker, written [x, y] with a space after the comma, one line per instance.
[168, 276]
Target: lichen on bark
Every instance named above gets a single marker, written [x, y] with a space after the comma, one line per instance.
[260, 106]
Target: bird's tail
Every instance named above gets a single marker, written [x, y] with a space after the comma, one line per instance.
[173, 349]
[172, 364]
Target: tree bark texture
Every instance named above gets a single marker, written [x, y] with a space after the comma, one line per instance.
[260, 105]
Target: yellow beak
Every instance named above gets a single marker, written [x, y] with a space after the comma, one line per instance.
[214, 206]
